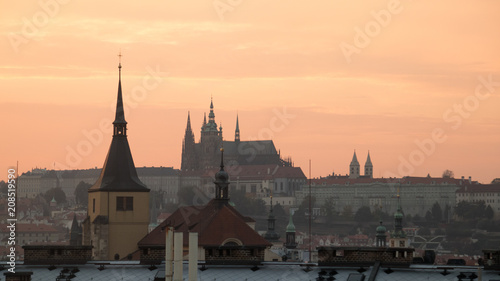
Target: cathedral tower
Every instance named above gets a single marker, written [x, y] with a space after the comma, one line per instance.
[211, 140]
[118, 207]
[188, 148]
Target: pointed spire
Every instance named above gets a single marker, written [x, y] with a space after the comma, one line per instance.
[211, 115]
[354, 167]
[237, 131]
[119, 125]
[188, 126]
[120, 114]
[222, 180]
[368, 166]
[368, 160]
[354, 159]
[118, 172]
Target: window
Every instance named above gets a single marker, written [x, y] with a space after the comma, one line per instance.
[93, 205]
[124, 203]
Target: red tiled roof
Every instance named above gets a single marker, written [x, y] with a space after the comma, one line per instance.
[343, 180]
[478, 188]
[214, 222]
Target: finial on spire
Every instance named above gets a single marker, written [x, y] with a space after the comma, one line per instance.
[222, 158]
[120, 64]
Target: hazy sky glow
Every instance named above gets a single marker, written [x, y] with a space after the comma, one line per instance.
[320, 78]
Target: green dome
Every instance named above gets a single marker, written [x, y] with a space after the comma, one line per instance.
[398, 214]
[381, 229]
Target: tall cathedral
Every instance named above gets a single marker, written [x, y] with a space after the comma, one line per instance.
[205, 154]
[118, 205]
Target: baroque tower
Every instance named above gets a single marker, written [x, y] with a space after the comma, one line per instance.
[118, 206]
[398, 236]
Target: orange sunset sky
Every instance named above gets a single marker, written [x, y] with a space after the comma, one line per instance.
[321, 78]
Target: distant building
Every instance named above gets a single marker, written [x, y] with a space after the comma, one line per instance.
[418, 194]
[204, 154]
[475, 193]
[118, 205]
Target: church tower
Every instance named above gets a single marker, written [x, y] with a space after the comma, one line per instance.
[398, 236]
[381, 236]
[368, 167]
[290, 233]
[354, 167]
[222, 181]
[118, 207]
[188, 161]
[271, 234]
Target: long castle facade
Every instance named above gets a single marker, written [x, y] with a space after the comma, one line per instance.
[203, 155]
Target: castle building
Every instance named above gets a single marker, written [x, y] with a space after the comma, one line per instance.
[118, 205]
[205, 154]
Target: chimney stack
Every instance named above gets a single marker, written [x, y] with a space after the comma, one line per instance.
[178, 253]
[193, 256]
[470, 179]
[169, 253]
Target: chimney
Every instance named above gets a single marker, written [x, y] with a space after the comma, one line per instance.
[470, 179]
[193, 256]
[178, 253]
[169, 253]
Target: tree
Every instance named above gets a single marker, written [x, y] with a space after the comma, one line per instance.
[488, 212]
[4, 187]
[186, 195]
[429, 217]
[81, 193]
[446, 213]
[328, 209]
[437, 213]
[304, 205]
[363, 214]
[57, 193]
[448, 174]
[279, 212]
[424, 231]
[347, 212]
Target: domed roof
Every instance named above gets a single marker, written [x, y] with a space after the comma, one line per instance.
[398, 214]
[381, 229]
[221, 176]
